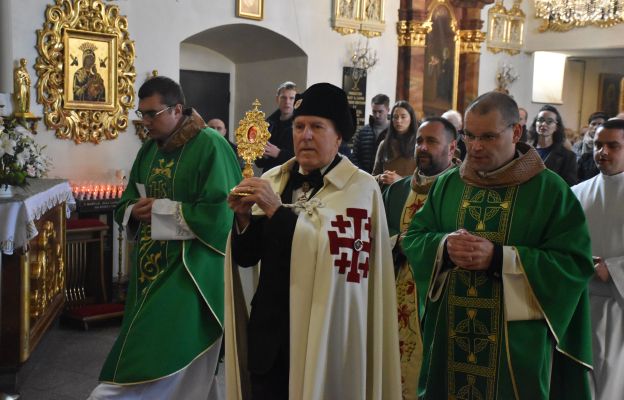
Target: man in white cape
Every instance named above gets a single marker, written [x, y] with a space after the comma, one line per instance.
[602, 199]
[323, 320]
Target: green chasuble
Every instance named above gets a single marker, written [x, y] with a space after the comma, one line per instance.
[475, 345]
[174, 308]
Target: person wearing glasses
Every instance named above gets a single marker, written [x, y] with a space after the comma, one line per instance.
[175, 208]
[548, 134]
[501, 258]
[395, 154]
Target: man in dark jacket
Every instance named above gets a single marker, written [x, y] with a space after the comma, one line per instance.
[279, 149]
[367, 139]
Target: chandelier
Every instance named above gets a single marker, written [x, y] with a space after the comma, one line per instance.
[563, 15]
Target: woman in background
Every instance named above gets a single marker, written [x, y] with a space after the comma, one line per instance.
[547, 133]
[395, 155]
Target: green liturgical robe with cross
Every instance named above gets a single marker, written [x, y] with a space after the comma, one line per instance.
[523, 334]
[174, 307]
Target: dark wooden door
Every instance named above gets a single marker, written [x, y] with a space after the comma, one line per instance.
[208, 93]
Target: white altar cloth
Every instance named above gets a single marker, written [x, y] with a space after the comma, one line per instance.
[19, 213]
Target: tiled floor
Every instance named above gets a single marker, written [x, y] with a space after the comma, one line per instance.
[67, 362]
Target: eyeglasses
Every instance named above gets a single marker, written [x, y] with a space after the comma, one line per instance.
[546, 121]
[486, 137]
[150, 114]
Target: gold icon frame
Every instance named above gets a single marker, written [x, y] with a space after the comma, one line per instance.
[102, 24]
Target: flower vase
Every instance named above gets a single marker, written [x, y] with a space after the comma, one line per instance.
[6, 191]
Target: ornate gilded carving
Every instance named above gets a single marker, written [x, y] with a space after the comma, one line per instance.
[47, 270]
[412, 33]
[363, 16]
[252, 136]
[92, 30]
[563, 15]
[470, 41]
[505, 28]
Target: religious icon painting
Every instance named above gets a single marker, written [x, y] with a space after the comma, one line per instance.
[252, 132]
[609, 93]
[90, 70]
[441, 60]
[250, 9]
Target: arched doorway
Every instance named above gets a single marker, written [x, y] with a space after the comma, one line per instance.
[256, 59]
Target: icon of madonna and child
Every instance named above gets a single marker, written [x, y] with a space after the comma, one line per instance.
[88, 84]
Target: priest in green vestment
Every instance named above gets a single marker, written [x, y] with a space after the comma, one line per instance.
[501, 258]
[175, 209]
[436, 141]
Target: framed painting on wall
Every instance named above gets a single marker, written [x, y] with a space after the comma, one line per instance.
[441, 57]
[610, 93]
[250, 9]
[90, 70]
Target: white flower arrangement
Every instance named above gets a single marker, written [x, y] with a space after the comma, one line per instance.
[20, 156]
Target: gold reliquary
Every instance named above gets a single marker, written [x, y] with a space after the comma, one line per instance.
[252, 136]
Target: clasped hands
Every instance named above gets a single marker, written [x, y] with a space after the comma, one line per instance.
[469, 251]
[259, 192]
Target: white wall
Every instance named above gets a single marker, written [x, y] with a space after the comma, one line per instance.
[159, 26]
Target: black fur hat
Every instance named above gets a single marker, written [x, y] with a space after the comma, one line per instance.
[328, 101]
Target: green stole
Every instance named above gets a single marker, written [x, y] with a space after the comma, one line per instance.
[470, 349]
[174, 308]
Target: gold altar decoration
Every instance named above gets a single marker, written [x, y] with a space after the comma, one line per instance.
[47, 270]
[470, 41]
[42, 279]
[359, 16]
[86, 70]
[252, 136]
[505, 28]
[563, 15]
[412, 33]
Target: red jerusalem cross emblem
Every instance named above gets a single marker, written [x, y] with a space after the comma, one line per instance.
[353, 244]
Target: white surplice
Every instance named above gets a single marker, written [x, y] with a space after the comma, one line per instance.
[602, 198]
